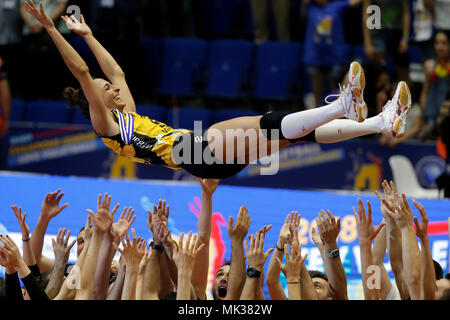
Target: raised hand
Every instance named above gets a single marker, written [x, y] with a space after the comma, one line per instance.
[315, 236]
[9, 253]
[163, 233]
[387, 204]
[366, 229]
[80, 28]
[39, 14]
[131, 253]
[103, 220]
[61, 246]
[209, 186]
[184, 256]
[329, 227]
[294, 260]
[255, 254]
[402, 214]
[50, 206]
[422, 227]
[286, 233]
[238, 231]
[160, 214]
[122, 225]
[23, 225]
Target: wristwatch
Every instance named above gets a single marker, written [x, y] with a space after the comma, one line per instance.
[253, 273]
[156, 247]
[333, 254]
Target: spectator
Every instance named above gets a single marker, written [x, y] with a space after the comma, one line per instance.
[11, 40]
[324, 53]
[392, 38]
[441, 12]
[443, 129]
[437, 81]
[5, 100]
[423, 29]
[281, 11]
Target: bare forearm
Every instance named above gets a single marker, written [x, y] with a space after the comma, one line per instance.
[366, 31]
[106, 61]
[249, 290]
[28, 255]
[116, 291]
[411, 262]
[366, 262]
[335, 272]
[273, 276]
[184, 285]
[103, 269]
[307, 290]
[87, 272]
[294, 290]
[37, 239]
[200, 275]
[151, 277]
[56, 280]
[5, 99]
[237, 271]
[129, 287]
[166, 280]
[427, 274]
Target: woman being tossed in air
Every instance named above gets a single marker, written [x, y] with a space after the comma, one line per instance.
[226, 147]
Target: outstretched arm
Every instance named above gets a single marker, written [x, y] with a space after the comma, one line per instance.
[200, 274]
[237, 268]
[109, 66]
[427, 272]
[50, 208]
[101, 120]
[329, 228]
[366, 232]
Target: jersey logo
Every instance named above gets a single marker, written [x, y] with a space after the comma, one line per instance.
[158, 137]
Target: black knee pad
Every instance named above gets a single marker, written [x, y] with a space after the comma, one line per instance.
[272, 120]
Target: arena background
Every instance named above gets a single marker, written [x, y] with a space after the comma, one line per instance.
[50, 146]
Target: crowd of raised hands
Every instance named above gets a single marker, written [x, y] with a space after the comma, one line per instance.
[178, 269]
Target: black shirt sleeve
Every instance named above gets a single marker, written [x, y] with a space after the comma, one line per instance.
[12, 287]
[34, 289]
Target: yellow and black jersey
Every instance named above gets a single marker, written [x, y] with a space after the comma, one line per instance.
[152, 140]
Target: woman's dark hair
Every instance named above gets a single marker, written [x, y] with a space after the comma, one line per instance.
[76, 98]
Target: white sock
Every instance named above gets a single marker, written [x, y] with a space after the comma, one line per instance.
[344, 129]
[299, 124]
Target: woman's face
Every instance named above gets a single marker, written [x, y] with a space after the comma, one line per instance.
[111, 94]
[441, 45]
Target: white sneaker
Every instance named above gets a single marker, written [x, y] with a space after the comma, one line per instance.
[352, 96]
[395, 111]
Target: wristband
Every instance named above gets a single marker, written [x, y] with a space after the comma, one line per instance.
[279, 248]
[333, 254]
[26, 239]
[293, 282]
[156, 247]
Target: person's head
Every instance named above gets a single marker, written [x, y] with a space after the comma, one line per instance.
[442, 44]
[438, 270]
[80, 241]
[220, 284]
[442, 285]
[115, 267]
[109, 92]
[320, 281]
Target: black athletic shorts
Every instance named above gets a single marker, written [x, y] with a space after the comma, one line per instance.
[197, 144]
